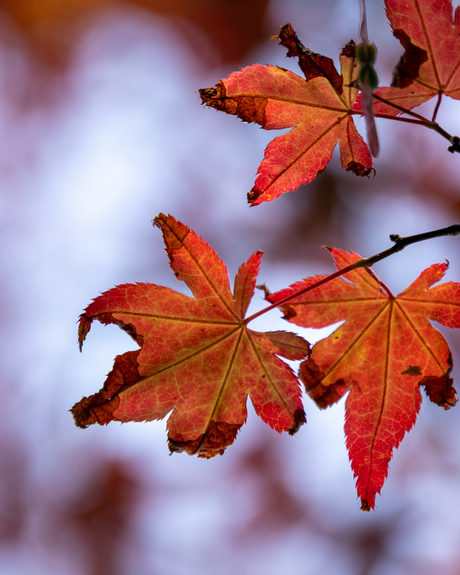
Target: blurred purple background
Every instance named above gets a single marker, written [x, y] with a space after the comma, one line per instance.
[101, 129]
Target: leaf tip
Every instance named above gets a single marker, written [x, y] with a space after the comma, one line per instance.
[299, 420]
[90, 410]
[247, 108]
[254, 195]
[312, 65]
[214, 97]
[365, 505]
[360, 170]
[174, 233]
[288, 38]
[83, 328]
[349, 50]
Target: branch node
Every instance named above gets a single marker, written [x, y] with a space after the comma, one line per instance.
[455, 147]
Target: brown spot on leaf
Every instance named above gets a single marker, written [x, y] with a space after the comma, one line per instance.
[300, 419]
[99, 408]
[253, 195]
[412, 370]
[407, 69]
[365, 505]
[215, 441]
[130, 329]
[322, 395]
[248, 108]
[310, 374]
[289, 312]
[105, 318]
[349, 51]
[312, 65]
[440, 390]
[359, 169]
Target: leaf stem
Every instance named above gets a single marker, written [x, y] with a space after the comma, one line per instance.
[400, 108]
[431, 124]
[399, 119]
[438, 103]
[399, 244]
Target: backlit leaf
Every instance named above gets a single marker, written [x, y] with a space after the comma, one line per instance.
[430, 65]
[317, 107]
[197, 358]
[385, 350]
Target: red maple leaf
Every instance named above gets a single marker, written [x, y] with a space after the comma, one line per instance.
[318, 108]
[430, 65]
[383, 353]
[197, 358]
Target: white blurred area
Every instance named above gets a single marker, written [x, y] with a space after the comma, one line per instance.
[80, 180]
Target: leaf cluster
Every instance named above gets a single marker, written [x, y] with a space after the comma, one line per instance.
[198, 361]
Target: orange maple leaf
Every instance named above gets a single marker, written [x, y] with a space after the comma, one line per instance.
[197, 358]
[430, 65]
[318, 108]
[383, 353]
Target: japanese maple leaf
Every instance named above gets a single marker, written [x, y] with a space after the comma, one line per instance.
[383, 353]
[318, 108]
[197, 358]
[430, 65]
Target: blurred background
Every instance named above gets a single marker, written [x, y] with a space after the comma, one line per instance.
[101, 128]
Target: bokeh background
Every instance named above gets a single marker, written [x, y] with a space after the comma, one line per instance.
[101, 128]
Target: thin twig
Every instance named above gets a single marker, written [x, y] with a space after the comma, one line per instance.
[399, 244]
[399, 119]
[454, 140]
[400, 108]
